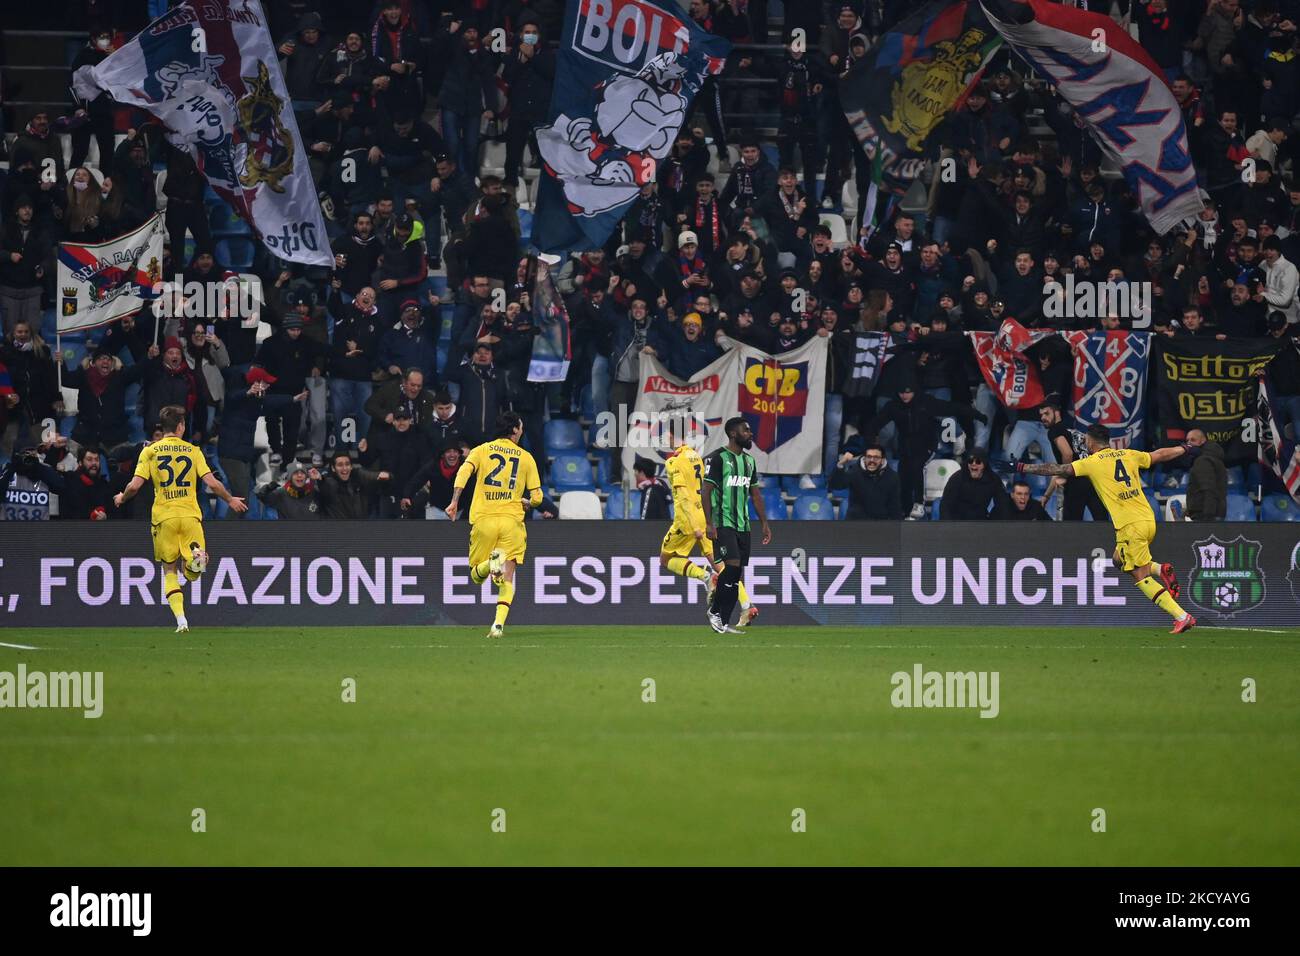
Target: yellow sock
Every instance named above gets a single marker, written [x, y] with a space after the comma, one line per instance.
[742, 594]
[1156, 591]
[175, 596]
[479, 573]
[687, 568]
[505, 594]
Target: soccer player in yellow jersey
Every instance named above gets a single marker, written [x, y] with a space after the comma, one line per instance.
[1115, 474]
[176, 467]
[506, 478]
[685, 471]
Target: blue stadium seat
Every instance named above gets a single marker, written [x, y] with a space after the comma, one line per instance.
[614, 505]
[226, 223]
[1280, 508]
[773, 503]
[1240, 508]
[1172, 482]
[603, 459]
[934, 509]
[563, 434]
[813, 507]
[236, 253]
[525, 226]
[1156, 506]
[1235, 479]
[572, 473]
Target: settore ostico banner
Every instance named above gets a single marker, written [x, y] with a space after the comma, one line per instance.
[848, 573]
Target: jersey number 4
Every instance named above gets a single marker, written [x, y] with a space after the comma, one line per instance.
[1121, 475]
[492, 481]
[169, 475]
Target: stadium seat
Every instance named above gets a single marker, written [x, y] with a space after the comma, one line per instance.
[792, 484]
[839, 232]
[813, 507]
[236, 252]
[773, 503]
[934, 509]
[1280, 508]
[580, 505]
[603, 459]
[1154, 502]
[614, 505]
[572, 473]
[1240, 508]
[563, 434]
[1172, 481]
[1175, 506]
[937, 473]
[1235, 479]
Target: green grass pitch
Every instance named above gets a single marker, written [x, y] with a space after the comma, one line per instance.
[550, 726]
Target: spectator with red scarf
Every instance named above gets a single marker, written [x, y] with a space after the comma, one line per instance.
[396, 45]
[169, 380]
[706, 217]
[687, 275]
[101, 385]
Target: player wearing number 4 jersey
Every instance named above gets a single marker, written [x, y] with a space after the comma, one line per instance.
[1115, 473]
[176, 467]
[507, 477]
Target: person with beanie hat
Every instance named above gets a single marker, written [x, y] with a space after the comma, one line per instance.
[169, 380]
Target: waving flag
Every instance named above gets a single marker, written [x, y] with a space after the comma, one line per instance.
[917, 74]
[551, 346]
[207, 70]
[1001, 356]
[1110, 381]
[102, 282]
[1277, 453]
[627, 72]
[1118, 91]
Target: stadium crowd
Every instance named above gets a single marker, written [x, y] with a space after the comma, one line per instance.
[374, 378]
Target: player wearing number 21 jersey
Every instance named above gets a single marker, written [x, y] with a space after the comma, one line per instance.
[1115, 474]
[175, 468]
[506, 478]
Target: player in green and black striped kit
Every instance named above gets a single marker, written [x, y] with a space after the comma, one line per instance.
[733, 476]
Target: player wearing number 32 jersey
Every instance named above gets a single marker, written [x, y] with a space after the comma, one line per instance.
[175, 468]
[1115, 474]
[505, 478]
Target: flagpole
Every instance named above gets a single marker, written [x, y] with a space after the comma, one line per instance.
[58, 348]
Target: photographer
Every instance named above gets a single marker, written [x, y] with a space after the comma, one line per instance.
[84, 493]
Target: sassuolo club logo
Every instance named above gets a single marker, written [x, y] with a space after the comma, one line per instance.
[1227, 578]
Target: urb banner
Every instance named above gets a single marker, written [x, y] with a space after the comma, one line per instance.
[1117, 90]
[102, 282]
[1110, 382]
[627, 72]
[780, 396]
[207, 69]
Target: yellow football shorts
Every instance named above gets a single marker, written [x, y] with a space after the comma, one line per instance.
[172, 538]
[1133, 544]
[680, 540]
[488, 534]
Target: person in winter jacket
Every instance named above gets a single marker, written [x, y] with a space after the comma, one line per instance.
[411, 343]
[169, 380]
[395, 43]
[400, 452]
[348, 491]
[248, 398]
[468, 93]
[402, 267]
[84, 493]
[294, 500]
[34, 379]
[974, 493]
[433, 484]
[871, 483]
[529, 74]
[1207, 480]
[291, 358]
[101, 384]
[353, 357]
[482, 394]
[916, 421]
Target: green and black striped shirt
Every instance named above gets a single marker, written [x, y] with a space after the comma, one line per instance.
[731, 475]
